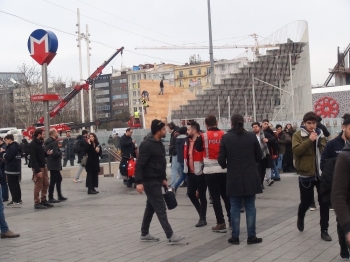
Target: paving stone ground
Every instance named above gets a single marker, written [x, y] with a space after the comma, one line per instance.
[106, 227]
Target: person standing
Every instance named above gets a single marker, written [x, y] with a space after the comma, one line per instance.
[215, 175]
[281, 141]
[5, 231]
[82, 145]
[287, 163]
[93, 151]
[37, 162]
[4, 187]
[12, 158]
[193, 166]
[67, 144]
[175, 167]
[24, 149]
[116, 141]
[150, 176]
[240, 153]
[128, 149]
[54, 165]
[179, 145]
[308, 144]
[340, 199]
[145, 94]
[161, 85]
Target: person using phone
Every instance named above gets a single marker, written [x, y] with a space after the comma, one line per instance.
[94, 151]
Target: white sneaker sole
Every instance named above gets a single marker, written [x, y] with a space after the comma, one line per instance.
[149, 240]
[220, 231]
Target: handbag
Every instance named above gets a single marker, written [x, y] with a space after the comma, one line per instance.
[170, 199]
[131, 167]
[84, 161]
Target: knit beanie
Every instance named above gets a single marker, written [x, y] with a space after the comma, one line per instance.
[156, 126]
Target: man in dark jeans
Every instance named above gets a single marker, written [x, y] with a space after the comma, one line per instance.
[67, 144]
[150, 177]
[193, 166]
[307, 145]
[214, 174]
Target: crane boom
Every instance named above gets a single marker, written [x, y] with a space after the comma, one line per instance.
[202, 47]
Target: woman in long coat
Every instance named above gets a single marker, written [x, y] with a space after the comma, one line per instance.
[287, 162]
[93, 151]
[240, 152]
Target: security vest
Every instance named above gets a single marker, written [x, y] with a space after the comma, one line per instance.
[136, 114]
[211, 149]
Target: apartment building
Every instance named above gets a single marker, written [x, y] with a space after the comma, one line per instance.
[119, 93]
[102, 96]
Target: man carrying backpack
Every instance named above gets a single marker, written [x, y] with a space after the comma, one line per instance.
[79, 148]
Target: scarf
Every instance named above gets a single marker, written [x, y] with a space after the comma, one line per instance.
[263, 145]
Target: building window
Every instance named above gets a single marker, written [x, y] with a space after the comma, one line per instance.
[180, 83]
[102, 100]
[190, 72]
[99, 85]
[144, 76]
[140, 108]
[134, 85]
[199, 71]
[181, 74]
[135, 109]
[133, 77]
[102, 92]
[199, 81]
[138, 76]
[133, 93]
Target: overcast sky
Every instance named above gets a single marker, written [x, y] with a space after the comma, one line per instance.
[130, 23]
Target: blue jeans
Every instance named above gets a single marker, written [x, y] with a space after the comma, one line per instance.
[183, 176]
[274, 170]
[3, 225]
[175, 170]
[278, 162]
[250, 211]
[4, 187]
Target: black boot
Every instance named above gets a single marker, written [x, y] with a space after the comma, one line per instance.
[59, 192]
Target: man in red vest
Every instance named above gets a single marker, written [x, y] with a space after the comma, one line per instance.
[193, 166]
[215, 176]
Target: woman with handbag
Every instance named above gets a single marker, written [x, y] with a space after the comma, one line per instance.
[93, 152]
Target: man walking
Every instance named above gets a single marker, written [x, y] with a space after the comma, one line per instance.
[12, 158]
[175, 166]
[67, 144]
[161, 85]
[308, 144]
[193, 166]
[40, 175]
[4, 187]
[215, 175]
[82, 144]
[150, 178]
[240, 152]
[54, 165]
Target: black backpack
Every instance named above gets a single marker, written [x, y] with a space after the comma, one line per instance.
[77, 146]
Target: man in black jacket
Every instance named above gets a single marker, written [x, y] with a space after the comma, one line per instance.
[40, 175]
[4, 187]
[54, 165]
[12, 158]
[150, 177]
[82, 142]
[128, 148]
[175, 167]
[67, 144]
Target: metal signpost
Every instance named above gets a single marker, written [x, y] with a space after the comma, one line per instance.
[42, 46]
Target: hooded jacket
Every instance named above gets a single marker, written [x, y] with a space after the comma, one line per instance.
[12, 158]
[341, 189]
[307, 154]
[151, 162]
[53, 161]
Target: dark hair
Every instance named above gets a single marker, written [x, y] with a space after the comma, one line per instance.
[278, 126]
[345, 116]
[9, 137]
[171, 125]
[95, 138]
[237, 122]
[346, 121]
[319, 119]
[183, 130]
[210, 121]
[128, 129]
[84, 132]
[310, 116]
[38, 132]
[256, 123]
[265, 120]
[195, 126]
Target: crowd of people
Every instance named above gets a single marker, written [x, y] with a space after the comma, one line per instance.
[232, 166]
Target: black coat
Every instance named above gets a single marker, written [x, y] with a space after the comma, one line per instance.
[53, 161]
[37, 155]
[332, 149]
[83, 144]
[172, 148]
[12, 158]
[326, 179]
[127, 146]
[67, 144]
[93, 161]
[179, 145]
[151, 162]
[240, 153]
